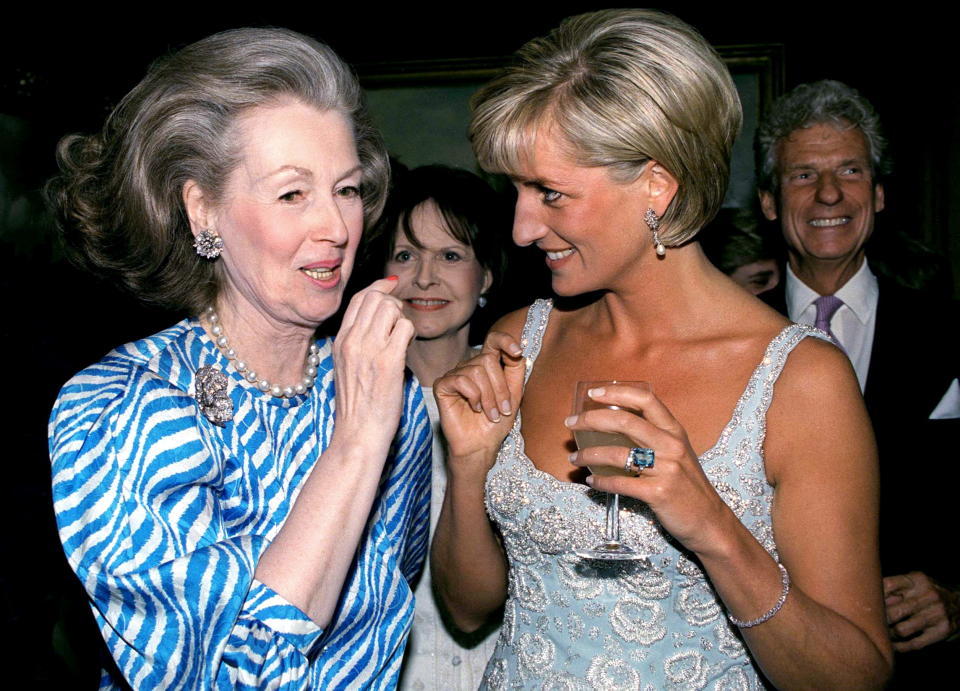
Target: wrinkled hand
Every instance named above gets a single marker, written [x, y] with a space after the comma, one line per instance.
[369, 355]
[919, 610]
[675, 487]
[479, 399]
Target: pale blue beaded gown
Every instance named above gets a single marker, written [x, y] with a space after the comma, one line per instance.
[576, 624]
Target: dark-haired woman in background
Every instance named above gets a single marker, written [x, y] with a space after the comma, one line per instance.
[442, 236]
[228, 532]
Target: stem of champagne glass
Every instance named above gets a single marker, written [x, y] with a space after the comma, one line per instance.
[613, 518]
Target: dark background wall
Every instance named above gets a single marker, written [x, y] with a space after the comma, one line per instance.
[62, 74]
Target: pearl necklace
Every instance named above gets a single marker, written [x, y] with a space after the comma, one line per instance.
[309, 371]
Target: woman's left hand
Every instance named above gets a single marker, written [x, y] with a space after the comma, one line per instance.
[675, 487]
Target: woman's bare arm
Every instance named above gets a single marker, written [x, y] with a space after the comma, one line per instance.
[478, 402]
[467, 562]
[821, 458]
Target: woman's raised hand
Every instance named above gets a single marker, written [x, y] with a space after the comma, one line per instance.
[479, 399]
[675, 487]
[369, 355]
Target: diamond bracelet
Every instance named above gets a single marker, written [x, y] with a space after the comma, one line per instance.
[785, 580]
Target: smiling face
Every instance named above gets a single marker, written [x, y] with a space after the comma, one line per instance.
[439, 282]
[590, 227]
[828, 198]
[291, 217]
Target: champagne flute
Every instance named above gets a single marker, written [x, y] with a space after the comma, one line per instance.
[611, 549]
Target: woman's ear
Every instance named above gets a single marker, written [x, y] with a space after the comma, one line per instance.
[487, 281]
[661, 187]
[199, 211]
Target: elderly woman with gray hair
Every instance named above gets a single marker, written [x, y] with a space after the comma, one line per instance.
[234, 494]
[748, 468]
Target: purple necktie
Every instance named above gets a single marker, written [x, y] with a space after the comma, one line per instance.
[827, 306]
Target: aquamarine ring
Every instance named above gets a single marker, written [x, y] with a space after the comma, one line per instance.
[638, 459]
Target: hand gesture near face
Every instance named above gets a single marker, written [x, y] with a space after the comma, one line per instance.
[478, 400]
[675, 487]
[369, 355]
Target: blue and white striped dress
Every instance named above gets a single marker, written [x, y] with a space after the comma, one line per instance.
[163, 517]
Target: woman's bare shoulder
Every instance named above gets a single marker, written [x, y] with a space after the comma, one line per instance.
[512, 322]
[750, 309]
[819, 368]
[817, 409]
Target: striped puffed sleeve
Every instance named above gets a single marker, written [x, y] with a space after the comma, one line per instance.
[369, 630]
[413, 448]
[137, 498]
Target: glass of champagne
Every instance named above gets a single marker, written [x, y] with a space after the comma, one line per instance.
[611, 549]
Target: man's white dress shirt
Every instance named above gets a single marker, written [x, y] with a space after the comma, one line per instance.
[853, 324]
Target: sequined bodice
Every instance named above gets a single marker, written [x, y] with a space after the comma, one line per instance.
[576, 624]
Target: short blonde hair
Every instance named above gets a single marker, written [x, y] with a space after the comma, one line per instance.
[622, 87]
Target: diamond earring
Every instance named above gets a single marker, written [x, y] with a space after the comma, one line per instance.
[208, 244]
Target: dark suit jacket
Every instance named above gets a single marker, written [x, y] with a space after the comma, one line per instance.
[914, 358]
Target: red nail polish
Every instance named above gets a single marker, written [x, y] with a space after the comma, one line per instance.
[393, 278]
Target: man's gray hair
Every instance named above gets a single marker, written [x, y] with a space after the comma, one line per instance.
[824, 102]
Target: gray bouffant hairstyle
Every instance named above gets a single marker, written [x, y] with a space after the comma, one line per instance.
[622, 87]
[817, 103]
[119, 197]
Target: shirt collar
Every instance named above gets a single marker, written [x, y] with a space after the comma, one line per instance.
[859, 293]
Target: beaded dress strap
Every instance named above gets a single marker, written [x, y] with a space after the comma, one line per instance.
[782, 345]
[768, 372]
[532, 337]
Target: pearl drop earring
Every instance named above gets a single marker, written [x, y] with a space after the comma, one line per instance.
[653, 222]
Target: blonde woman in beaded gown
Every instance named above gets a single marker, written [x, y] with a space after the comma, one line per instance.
[759, 511]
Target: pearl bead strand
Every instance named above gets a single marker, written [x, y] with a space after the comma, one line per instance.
[301, 387]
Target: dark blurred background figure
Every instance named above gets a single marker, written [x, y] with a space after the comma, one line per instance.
[737, 246]
[822, 162]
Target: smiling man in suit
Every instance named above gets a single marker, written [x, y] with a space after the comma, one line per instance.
[821, 160]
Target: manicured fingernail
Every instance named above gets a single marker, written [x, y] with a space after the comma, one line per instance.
[495, 415]
[570, 421]
[599, 391]
[476, 407]
[515, 350]
[589, 480]
[505, 407]
[393, 278]
[572, 457]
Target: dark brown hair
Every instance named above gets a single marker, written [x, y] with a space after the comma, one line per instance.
[472, 212]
